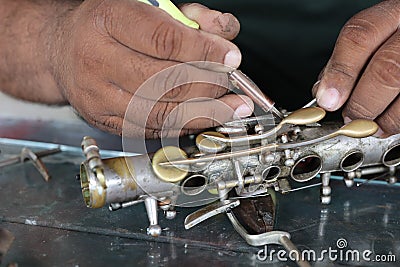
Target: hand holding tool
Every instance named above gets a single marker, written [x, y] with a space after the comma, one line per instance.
[239, 79]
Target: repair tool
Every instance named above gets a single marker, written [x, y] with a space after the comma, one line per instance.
[244, 83]
[268, 238]
[27, 154]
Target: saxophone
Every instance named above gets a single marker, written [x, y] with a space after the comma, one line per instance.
[239, 160]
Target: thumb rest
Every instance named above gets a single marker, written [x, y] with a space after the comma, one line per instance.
[249, 156]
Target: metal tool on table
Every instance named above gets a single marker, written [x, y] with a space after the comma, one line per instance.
[269, 238]
[254, 220]
[27, 154]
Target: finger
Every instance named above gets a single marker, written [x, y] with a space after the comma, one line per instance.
[223, 24]
[161, 80]
[389, 121]
[216, 112]
[150, 30]
[358, 40]
[131, 130]
[380, 83]
[190, 114]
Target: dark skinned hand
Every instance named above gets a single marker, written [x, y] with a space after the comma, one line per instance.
[363, 73]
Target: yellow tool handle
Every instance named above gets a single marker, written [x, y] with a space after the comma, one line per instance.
[171, 9]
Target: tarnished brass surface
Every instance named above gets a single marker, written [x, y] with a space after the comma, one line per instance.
[120, 166]
[359, 128]
[93, 198]
[92, 154]
[208, 145]
[124, 169]
[169, 174]
[305, 116]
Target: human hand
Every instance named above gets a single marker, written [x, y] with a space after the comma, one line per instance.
[364, 70]
[105, 50]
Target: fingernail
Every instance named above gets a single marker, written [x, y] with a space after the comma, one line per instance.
[242, 111]
[328, 98]
[224, 19]
[346, 120]
[233, 58]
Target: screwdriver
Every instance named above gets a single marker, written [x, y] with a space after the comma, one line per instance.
[238, 78]
[244, 83]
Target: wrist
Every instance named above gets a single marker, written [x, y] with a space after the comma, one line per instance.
[56, 34]
[26, 68]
